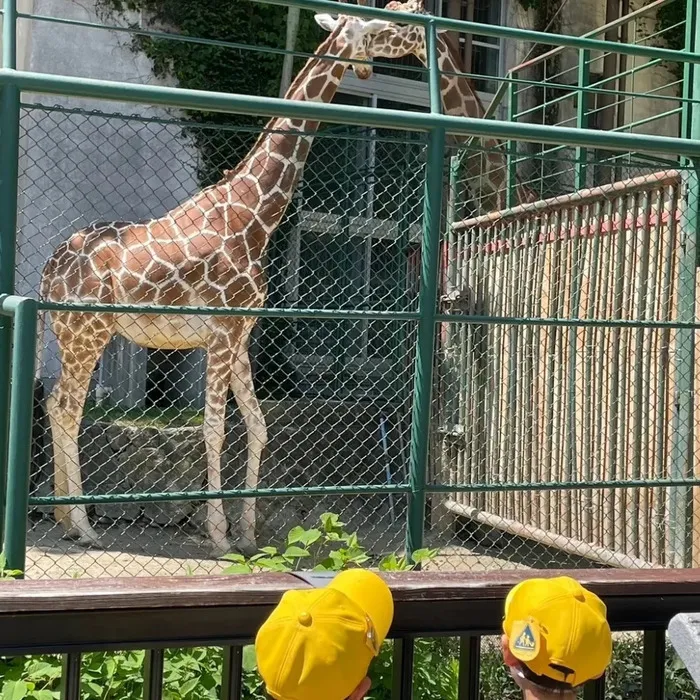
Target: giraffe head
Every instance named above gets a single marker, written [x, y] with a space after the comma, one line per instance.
[360, 39]
[392, 40]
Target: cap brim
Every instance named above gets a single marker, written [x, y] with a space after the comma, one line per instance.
[371, 594]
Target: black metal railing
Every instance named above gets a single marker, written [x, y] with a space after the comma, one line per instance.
[77, 616]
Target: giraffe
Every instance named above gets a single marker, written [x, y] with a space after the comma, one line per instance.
[206, 252]
[486, 170]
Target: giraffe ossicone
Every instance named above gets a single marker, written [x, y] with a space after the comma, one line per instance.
[207, 252]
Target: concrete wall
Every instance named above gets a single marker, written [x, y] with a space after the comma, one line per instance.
[76, 169]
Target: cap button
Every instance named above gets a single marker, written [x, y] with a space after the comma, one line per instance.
[305, 619]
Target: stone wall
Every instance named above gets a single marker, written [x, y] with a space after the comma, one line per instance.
[311, 442]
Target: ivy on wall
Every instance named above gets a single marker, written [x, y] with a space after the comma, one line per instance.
[671, 21]
[215, 68]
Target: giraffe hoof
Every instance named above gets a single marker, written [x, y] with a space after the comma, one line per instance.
[219, 548]
[246, 547]
[88, 538]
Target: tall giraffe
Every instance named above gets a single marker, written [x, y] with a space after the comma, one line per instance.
[205, 252]
[486, 170]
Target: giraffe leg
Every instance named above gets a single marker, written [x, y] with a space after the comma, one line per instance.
[218, 379]
[248, 405]
[81, 341]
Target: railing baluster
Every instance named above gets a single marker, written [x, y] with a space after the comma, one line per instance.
[469, 668]
[70, 677]
[402, 685]
[653, 665]
[153, 675]
[595, 690]
[231, 673]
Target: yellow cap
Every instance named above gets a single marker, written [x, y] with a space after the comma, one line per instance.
[558, 629]
[318, 643]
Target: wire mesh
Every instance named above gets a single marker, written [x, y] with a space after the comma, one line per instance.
[599, 90]
[522, 412]
[335, 394]
[523, 407]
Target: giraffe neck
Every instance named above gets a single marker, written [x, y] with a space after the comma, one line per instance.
[460, 98]
[260, 188]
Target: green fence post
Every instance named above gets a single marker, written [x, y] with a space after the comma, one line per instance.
[584, 79]
[427, 308]
[682, 458]
[20, 445]
[512, 147]
[9, 155]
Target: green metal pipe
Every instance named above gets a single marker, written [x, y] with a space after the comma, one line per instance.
[19, 451]
[363, 116]
[617, 484]
[564, 322]
[9, 157]
[226, 494]
[649, 120]
[380, 489]
[425, 341]
[573, 91]
[682, 454]
[9, 34]
[434, 75]
[512, 33]
[512, 148]
[359, 314]
[338, 314]
[582, 117]
[168, 36]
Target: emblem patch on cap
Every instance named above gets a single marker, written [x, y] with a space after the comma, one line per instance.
[371, 637]
[525, 640]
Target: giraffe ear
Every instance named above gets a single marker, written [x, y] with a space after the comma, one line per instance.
[326, 22]
[374, 26]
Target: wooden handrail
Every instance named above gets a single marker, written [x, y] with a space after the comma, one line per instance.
[100, 614]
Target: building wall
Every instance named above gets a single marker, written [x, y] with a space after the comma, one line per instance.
[75, 170]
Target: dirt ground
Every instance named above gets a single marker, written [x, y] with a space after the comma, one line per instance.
[144, 549]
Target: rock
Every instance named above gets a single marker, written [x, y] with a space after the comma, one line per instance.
[311, 443]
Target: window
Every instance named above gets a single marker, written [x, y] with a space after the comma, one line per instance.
[481, 55]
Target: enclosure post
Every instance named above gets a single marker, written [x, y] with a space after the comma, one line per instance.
[584, 63]
[9, 34]
[9, 154]
[512, 147]
[21, 414]
[427, 308]
[681, 525]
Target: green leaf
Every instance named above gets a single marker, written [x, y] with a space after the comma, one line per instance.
[331, 522]
[238, 569]
[271, 551]
[302, 536]
[250, 663]
[296, 553]
[273, 564]
[14, 690]
[43, 694]
[236, 558]
[421, 556]
[188, 686]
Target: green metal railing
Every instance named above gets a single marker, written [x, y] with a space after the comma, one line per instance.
[18, 339]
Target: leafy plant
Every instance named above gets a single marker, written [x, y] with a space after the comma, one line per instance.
[6, 573]
[216, 68]
[327, 547]
[195, 674]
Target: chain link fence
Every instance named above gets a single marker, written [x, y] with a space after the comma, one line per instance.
[336, 394]
[515, 402]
